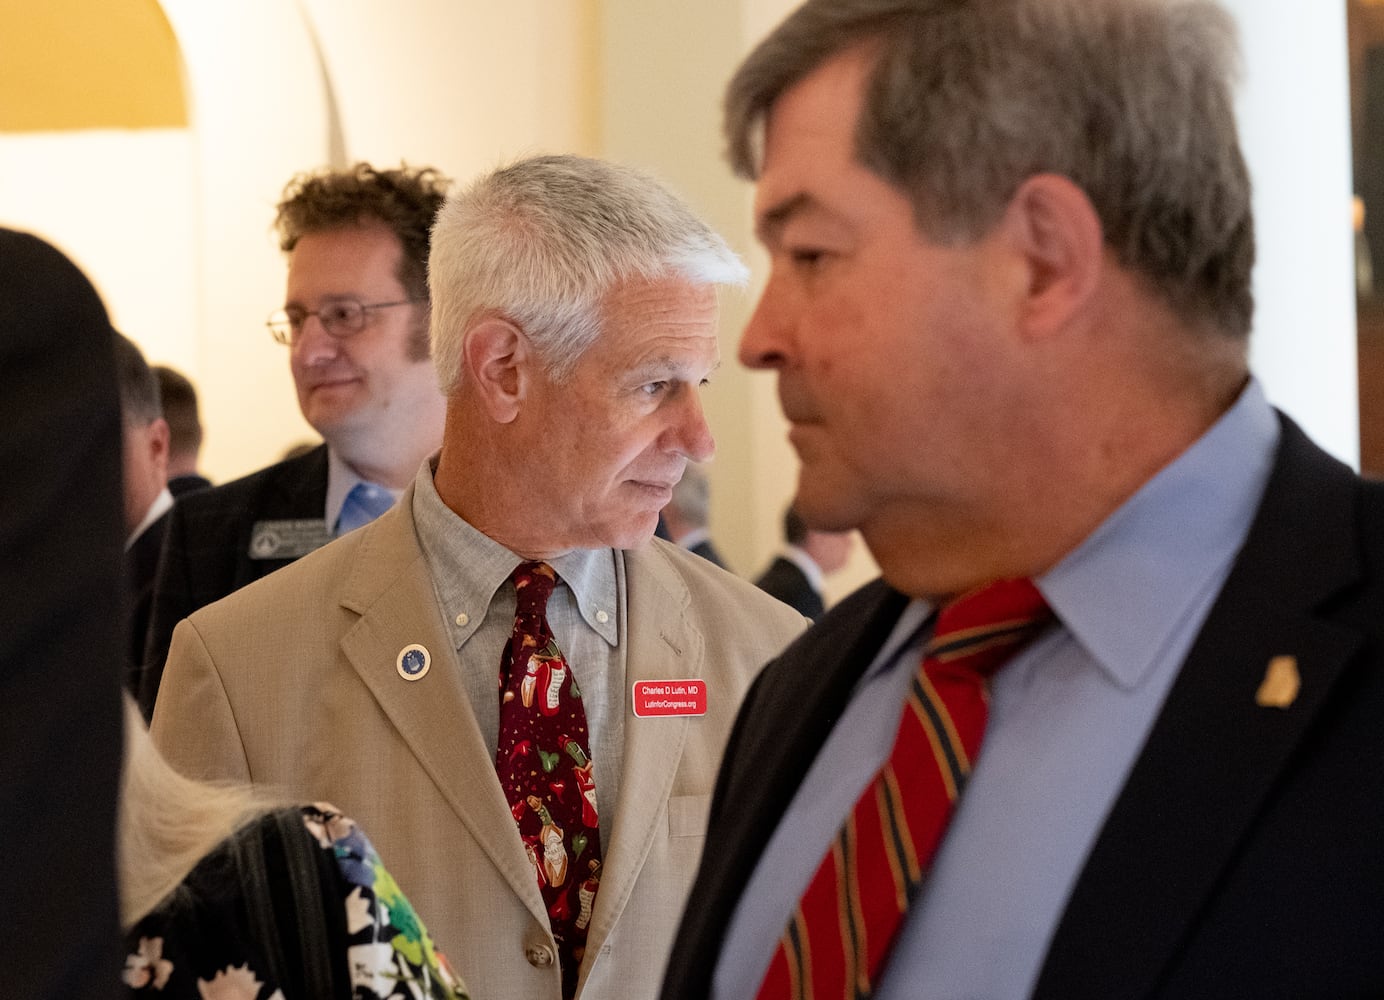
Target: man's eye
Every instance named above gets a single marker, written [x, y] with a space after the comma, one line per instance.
[807, 257]
[296, 318]
[654, 388]
[338, 312]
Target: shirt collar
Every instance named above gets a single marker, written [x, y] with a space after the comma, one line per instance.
[1124, 590]
[161, 505]
[694, 538]
[468, 567]
[799, 558]
[341, 478]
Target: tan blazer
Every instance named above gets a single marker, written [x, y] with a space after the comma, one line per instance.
[292, 683]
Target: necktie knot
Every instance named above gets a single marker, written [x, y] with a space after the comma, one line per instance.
[980, 629]
[533, 585]
[364, 503]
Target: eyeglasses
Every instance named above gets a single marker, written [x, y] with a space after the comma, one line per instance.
[341, 319]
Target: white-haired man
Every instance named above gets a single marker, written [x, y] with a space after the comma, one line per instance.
[547, 827]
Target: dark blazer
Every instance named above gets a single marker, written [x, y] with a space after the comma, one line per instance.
[190, 483]
[707, 551]
[62, 639]
[1241, 858]
[141, 567]
[207, 549]
[785, 580]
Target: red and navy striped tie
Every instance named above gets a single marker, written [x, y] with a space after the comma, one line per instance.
[840, 934]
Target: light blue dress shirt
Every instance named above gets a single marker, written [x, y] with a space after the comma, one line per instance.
[1067, 719]
[341, 479]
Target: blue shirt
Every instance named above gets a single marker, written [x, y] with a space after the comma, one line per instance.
[1068, 716]
[341, 478]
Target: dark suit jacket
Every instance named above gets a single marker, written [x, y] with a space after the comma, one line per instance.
[62, 528]
[141, 566]
[1241, 858]
[206, 552]
[190, 483]
[707, 551]
[786, 581]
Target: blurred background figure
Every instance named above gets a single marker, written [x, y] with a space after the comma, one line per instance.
[60, 628]
[144, 448]
[687, 516]
[795, 576]
[179, 399]
[227, 894]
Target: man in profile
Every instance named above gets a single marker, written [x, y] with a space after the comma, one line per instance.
[179, 399]
[687, 518]
[355, 325]
[1109, 725]
[144, 467]
[521, 695]
[796, 575]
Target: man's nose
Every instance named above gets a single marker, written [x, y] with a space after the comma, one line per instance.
[313, 344]
[692, 435]
[766, 342]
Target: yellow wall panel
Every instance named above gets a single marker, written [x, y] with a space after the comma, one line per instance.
[88, 64]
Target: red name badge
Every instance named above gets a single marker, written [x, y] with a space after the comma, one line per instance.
[655, 699]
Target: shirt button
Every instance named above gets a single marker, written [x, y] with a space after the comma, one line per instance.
[602, 617]
[540, 956]
[463, 618]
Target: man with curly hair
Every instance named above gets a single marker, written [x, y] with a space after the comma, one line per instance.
[355, 322]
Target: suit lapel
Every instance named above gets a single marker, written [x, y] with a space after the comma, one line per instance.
[390, 588]
[302, 491]
[297, 491]
[1214, 753]
[660, 642]
[803, 693]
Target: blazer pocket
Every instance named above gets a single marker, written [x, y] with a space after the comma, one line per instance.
[687, 815]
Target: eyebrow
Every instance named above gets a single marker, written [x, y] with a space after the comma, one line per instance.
[329, 297]
[665, 367]
[774, 218]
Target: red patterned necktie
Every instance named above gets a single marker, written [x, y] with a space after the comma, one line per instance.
[838, 937]
[545, 768]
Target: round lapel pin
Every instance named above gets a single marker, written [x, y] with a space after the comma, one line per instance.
[413, 662]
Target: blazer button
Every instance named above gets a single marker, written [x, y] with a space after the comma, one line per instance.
[540, 956]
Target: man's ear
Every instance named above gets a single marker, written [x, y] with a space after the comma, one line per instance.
[498, 361]
[158, 439]
[1059, 235]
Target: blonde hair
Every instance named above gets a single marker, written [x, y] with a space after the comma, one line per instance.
[167, 823]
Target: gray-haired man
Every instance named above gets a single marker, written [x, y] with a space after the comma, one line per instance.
[574, 322]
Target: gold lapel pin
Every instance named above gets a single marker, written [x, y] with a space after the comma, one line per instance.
[1281, 683]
